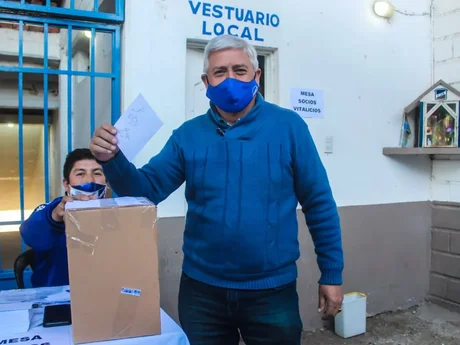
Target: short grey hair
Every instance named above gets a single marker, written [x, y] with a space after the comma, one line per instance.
[229, 42]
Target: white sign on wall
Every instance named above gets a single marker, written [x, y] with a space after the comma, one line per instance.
[308, 102]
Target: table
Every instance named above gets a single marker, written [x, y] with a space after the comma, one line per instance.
[171, 333]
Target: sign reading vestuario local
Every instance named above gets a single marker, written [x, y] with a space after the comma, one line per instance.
[244, 23]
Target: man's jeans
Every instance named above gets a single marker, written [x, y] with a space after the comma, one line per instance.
[211, 315]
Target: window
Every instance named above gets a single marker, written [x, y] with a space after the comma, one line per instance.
[33, 177]
[59, 78]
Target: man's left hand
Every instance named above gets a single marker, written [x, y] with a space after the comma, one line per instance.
[330, 299]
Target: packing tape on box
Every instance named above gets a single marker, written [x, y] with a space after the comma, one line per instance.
[146, 218]
[111, 215]
[110, 221]
[79, 239]
[147, 221]
[127, 305]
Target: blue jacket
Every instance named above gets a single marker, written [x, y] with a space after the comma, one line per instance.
[243, 185]
[47, 238]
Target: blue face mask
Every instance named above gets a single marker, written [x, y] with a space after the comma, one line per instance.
[90, 188]
[232, 95]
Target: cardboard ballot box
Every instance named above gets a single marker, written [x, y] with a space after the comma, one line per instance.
[113, 268]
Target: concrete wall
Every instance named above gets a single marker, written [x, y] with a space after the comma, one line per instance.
[445, 185]
[387, 253]
[445, 268]
[358, 60]
[33, 46]
[32, 92]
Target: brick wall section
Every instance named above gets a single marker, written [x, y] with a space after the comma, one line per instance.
[445, 185]
[446, 36]
[445, 254]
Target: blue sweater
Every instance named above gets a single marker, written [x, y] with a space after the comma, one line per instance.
[243, 184]
[47, 238]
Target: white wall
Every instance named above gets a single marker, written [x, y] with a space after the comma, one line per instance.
[445, 185]
[370, 69]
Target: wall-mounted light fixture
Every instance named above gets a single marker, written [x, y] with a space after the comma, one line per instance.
[11, 125]
[88, 34]
[384, 9]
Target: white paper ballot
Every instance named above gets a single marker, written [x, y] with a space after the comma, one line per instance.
[17, 319]
[136, 126]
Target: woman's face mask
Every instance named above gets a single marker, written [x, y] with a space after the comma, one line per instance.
[90, 188]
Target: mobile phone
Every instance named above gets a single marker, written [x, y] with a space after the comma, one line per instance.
[57, 315]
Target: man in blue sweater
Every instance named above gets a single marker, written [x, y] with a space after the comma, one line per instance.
[44, 230]
[246, 164]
